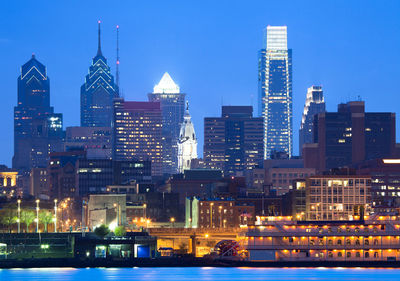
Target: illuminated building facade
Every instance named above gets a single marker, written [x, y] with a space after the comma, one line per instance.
[282, 239]
[217, 213]
[96, 141]
[233, 142]
[172, 103]
[275, 91]
[385, 182]
[187, 143]
[98, 92]
[37, 129]
[315, 104]
[337, 197]
[350, 136]
[137, 133]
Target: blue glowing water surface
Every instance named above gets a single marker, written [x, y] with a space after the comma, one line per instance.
[205, 273]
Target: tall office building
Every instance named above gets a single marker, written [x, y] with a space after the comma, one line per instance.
[98, 93]
[172, 103]
[137, 133]
[275, 91]
[315, 104]
[187, 144]
[233, 142]
[37, 129]
[350, 136]
[96, 141]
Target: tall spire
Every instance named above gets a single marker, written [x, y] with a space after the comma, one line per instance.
[99, 42]
[117, 66]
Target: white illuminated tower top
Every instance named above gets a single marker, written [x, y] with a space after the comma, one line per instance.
[187, 144]
[166, 86]
[276, 38]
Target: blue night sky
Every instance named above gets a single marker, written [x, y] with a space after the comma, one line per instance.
[351, 48]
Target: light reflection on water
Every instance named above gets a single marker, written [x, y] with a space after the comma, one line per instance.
[198, 273]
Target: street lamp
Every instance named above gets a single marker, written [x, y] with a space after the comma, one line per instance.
[116, 206]
[172, 220]
[144, 210]
[55, 215]
[220, 216]
[37, 215]
[19, 215]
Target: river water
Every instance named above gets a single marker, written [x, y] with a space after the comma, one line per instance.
[199, 273]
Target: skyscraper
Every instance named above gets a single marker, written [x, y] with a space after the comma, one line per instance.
[98, 92]
[275, 91]
[187, 144]
[172, 103]
[234, 141]
[37, 129]
[315, 104]
[350, 136]
[137, 132]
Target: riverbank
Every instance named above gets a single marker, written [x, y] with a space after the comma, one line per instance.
[186, 262]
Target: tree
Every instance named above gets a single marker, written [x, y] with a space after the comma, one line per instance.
[27, 217]
[120, 231]
[46, 217]
[102, 231]
[8, 218]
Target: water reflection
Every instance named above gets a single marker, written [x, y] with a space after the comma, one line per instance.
[206, 273]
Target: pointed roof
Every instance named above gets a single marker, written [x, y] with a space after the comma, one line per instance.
[99, 42]
[33, 63]
[166, 86]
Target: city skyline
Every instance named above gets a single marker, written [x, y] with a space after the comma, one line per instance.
[339, 85]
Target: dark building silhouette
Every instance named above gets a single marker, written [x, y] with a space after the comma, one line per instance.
[314, 104]
[233, 142]
[37, 129]
[137, 133]
[98, 92]
[71, 174]
[172, 103]
[350, 136]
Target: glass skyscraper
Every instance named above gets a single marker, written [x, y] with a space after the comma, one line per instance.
[172, 103]
[275, 92]
[37, 129]
[98, 93]
[315, 104]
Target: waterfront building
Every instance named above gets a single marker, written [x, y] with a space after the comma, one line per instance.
[275, 91]
[337, 197]
[284, 239]
[98, 92]
[233, 143]
[314, 104]
[137, 133]
[172, 104]
[37, 129]
[385, 182]
[96, 141]
[108, 209]
[350, 136]
[217, 213]
[187, 143]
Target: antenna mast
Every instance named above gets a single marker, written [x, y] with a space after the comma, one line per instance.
[117, 67]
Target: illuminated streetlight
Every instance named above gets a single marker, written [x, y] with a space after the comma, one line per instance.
[19, 215]
[55, 215]
[37, 215]
[172, 220]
